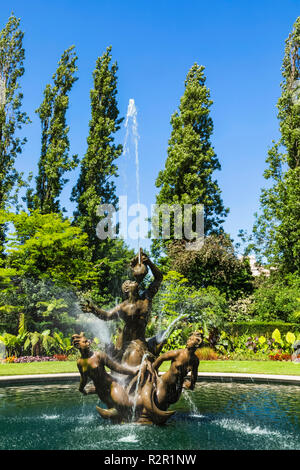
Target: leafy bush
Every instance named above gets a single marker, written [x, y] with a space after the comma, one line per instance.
[215, 264]
[280, 357]
[241, 309]
[37, 343]
[44, 304]
[46, 246]
[277, 298]
[255, 347]
[205, 306]
[259, 328]
[206, 354]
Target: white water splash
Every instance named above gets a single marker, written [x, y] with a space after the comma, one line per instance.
[238, 426]
[2, 350]
[137, 386]
[44, 416]
[161, 337]
[98, 328]
[130, 438]
[193, 407]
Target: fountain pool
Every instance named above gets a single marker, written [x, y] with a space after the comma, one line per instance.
[221, 416]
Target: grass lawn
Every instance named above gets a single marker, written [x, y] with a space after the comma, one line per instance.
[247, 367]
[30, 368]
[251, 367]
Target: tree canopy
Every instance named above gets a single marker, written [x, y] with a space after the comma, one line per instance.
[276, 233]
[54, 160]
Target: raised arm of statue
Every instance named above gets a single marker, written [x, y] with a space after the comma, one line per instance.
[89, 306]
[158, 277]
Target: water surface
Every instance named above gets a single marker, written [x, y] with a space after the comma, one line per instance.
[214, 416]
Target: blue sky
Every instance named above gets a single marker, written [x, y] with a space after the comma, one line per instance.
[240, 43]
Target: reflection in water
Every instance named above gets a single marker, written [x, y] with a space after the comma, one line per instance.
[229, 416]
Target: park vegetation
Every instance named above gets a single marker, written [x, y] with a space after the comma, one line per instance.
[49, 260]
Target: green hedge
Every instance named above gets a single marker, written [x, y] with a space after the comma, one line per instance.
[260, 328]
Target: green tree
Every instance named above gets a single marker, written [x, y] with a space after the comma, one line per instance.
[54, 160]
[188, 178]
[46, 263]
[46, 246]
[12, 117]
[277, 298]
[276, 232]
[46, 305]
[95, 185]
[188, 174]
[214, 264]
[183, 308]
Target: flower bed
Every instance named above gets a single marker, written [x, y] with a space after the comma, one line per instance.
[24, 359]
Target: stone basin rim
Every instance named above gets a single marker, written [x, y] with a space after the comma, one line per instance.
[202, 376]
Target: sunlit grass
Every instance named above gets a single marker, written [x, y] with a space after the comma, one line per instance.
[55, 367]
[251, 367]
[246, 367]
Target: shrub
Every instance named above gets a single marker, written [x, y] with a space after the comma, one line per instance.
[241, 309]
[259, 328]
[277, 298]
[60, 357]
[214, 264]
[206, 354]
[206, 306]
[254, 346]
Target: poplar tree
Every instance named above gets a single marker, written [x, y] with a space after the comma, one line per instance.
[95, 185]
[55, 146]
[276, 231]
[188, 174]
[12, 117]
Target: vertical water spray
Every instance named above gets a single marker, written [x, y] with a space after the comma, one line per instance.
[165, 334]
[2, 92]
[131, 127]
[193, 407]
[137, 386]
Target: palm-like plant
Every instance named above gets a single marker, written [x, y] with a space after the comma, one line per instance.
[34, 340]
[14, 343]
[40, 343]
[65, 345]
[48, 342]
[9, 342]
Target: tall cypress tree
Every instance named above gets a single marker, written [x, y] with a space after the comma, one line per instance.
[277, 229]
[54, 160]
[188, 174]
[94, 185]
[12, 117]
[188, 178]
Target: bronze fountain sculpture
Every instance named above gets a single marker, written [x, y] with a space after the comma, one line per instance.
[134, 390]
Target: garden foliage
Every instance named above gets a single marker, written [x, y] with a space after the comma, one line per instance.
[48, 260]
